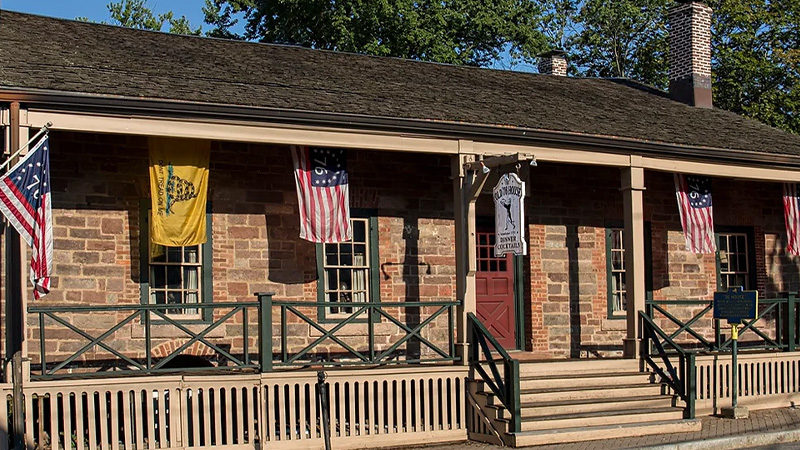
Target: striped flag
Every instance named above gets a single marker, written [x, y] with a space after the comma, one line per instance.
[791, 212]
[322, 193]
[25, 201]
[697, 218]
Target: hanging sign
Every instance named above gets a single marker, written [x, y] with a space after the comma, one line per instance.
[508, 216]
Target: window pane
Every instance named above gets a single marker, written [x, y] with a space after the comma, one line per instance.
[158, 277]
[174, 277]
[331, 255]
[191, 254]
[174, 254]
[190, 277]
[158, 253]
[191, 297]
[346, 254]
[616, 260]
[333, 279]
[159, 297]
[359, 230]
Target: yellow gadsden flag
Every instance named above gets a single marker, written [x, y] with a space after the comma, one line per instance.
[178, 191]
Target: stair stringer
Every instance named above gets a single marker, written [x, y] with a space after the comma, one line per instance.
[487, 415]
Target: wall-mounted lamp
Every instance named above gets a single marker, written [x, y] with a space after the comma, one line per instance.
[485, 169]
[533, 161]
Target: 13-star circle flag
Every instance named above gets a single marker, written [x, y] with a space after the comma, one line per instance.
[25, 201]
[322, 193]
[697, 218]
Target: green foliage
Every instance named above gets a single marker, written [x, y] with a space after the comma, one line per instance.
[623, 38]
[474, 32]
[137, 14]
[756, 60]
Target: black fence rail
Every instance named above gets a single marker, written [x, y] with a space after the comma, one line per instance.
[774, 328]
[59, 320]
[408, 318]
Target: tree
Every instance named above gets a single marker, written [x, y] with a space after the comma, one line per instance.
[473, 32]
[137, 14]
[623, 38]
[756, 60]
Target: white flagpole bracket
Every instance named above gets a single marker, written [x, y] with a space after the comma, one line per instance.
[44, 130]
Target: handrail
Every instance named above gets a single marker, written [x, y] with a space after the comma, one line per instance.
[683, 380]
[505, 387]
[366, 314]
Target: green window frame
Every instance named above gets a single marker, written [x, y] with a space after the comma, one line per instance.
[167, 273]
[735, 258]
[615, 269]
[348, 272]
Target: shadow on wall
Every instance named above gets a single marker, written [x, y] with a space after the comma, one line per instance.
[787, 267]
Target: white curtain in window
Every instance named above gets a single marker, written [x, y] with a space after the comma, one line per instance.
[359, 280]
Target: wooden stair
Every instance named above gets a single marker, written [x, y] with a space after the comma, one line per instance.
[581, 400]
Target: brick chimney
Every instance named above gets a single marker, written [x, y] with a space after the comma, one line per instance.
[553, 62]
[690, 53]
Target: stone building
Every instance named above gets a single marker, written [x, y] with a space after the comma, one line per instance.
[417, 300]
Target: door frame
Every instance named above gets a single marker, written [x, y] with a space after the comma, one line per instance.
[518, 269]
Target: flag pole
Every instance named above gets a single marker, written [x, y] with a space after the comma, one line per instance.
[42, 131]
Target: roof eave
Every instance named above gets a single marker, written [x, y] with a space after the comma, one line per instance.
[85, 102]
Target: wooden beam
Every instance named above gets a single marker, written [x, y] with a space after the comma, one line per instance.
[243, 132]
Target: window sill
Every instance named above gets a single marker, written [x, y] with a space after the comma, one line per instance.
[615, 324]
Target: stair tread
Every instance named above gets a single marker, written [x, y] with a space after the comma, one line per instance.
[595, 428]
[589, 388]
[610, 414]
[595, 400]
[572, 376]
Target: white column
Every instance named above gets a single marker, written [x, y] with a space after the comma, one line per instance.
[633, 237]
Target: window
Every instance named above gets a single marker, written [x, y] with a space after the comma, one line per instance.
[615, 263]
[347, 271]
[734, 261]
[615, 270]
[176, 275]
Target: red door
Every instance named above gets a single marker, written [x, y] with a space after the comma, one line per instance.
[494, 288]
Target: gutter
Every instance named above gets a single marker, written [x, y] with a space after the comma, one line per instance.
[117, 105]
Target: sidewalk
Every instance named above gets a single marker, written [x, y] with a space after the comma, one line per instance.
[763, 427]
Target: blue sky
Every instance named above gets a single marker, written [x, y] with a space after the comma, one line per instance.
[97, 11]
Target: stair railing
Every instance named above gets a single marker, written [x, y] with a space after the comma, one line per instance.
[683, 379]
[485, 350]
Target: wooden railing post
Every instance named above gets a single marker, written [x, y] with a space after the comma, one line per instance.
[512, 394]
[265, 331]
[791, 331]
[691, 385]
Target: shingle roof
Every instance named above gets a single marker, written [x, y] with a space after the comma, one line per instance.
[55, 54]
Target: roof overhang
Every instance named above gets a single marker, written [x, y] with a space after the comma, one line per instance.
[397, 133]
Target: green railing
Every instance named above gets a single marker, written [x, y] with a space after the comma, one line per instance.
[683, 379]
[783, 311]
[483, 347]
[364, 316]
[58, 320]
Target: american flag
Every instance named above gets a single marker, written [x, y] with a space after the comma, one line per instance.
[791, 212]
[697, 218]
[322, 193]
[25, 201]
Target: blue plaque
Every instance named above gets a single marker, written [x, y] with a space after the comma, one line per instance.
[735, 305]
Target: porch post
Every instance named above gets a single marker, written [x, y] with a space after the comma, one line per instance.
[464, 211]
[633, 237]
